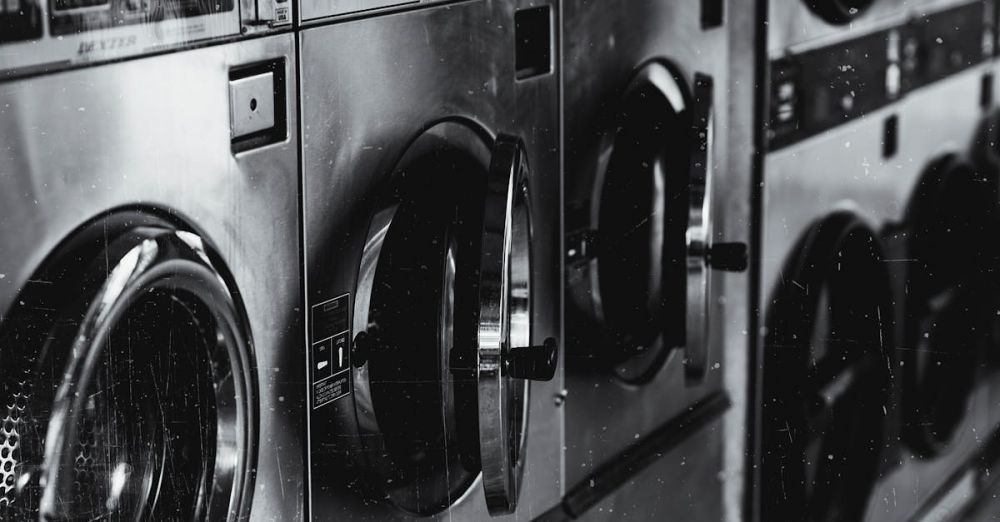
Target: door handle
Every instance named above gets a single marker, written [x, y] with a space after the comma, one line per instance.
[702, 253]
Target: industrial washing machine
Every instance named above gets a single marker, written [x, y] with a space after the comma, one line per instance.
[874, 380]
[652, 215]
[431, 222]
[150, 289]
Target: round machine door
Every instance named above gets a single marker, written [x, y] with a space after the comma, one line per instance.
[839, 11]
[443, 311]
[985, 154]
[127, 382]
[644, 276]
[825, 381]
[949, 301]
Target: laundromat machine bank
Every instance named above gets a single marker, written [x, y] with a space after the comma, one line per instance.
[876, 372]
[467, 260]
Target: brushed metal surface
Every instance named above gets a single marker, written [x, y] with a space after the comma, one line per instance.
[155, 132]
[251, 104]
[316, 9]
[604, 43]
[362, 106]
[844, 168]
[793, 27]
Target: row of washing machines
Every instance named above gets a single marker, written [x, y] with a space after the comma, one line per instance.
[524, 259]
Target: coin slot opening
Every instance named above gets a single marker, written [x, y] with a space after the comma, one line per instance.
[533, 42]
[712, 13]
[279, 131]
[890, 136]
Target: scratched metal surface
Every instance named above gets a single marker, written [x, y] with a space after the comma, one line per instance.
[605, 42]
[362, 106]
[156, 132]
[844, 168]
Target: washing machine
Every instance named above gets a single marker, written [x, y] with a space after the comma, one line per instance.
[150, 289]
[873, 362]
[656, 228]
[431, 222]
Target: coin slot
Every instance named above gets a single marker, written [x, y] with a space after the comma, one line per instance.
[258, 108]
[533, 42]
[986, 91]
[711, 13]
[890, 136]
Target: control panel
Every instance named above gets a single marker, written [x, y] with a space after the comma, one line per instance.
[19, 20]
[816, 90]
[46, 35]
[320, 9]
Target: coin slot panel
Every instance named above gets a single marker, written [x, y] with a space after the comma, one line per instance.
[268, 109]
[712, 13]
[986, 91]
[890, 136]
[533, 48]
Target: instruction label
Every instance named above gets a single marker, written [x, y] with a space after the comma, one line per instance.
[330, 350]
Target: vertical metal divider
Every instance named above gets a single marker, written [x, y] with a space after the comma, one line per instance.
[558, 58]
[760, 111]
[303, 279]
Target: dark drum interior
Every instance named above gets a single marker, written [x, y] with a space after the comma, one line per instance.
[950, 303]
[423, 304]
[826, 380]
[642, 225]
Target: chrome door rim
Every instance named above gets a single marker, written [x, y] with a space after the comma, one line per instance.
[504, 322]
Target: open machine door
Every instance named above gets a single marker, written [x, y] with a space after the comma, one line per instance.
[640, 255]
[443, 311]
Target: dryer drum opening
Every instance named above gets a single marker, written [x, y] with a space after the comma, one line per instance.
[825, 377]
[416, 302]
[444, 299]
[113, 371]
[642, 197]
[950, 297]
[420, 299]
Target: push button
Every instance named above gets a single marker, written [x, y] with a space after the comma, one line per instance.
[322, 360]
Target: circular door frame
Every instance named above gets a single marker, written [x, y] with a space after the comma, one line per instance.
[495, 370]
[459, 135]
[109, 263]
[504, 324]
[667, 79]
[954, 302]
[789, 405]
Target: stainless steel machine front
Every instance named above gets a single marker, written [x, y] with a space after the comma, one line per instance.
[655, 219]
[431, 220]
[875, 385]
[149, 292]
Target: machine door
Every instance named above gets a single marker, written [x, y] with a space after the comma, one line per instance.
[639, 269]
[443, 309]
[949, 298]
[127, 382]
[825, 381]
